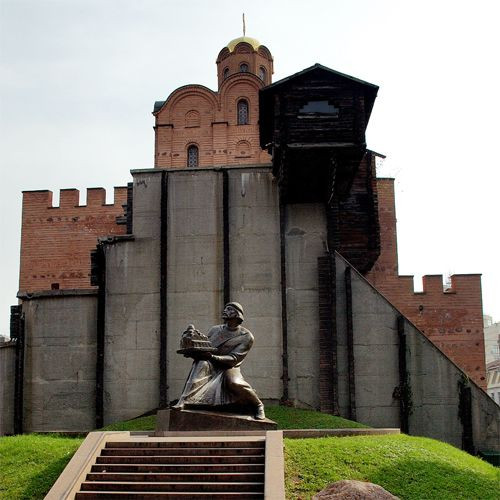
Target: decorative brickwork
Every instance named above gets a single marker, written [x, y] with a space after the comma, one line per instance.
[194, 115]
[56, 241]
[451, 318]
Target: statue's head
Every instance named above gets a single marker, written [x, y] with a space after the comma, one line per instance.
[233, 310]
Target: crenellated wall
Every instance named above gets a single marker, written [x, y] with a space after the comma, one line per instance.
[56, 241]
[451, 318]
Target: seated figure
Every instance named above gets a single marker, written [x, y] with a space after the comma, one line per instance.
[215, 378]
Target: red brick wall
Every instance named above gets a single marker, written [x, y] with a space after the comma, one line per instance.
[56, 241]
[452, 319]
[195, 115]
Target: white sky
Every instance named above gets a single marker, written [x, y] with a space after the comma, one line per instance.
[79, 78]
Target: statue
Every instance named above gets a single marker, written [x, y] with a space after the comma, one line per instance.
[215, 378]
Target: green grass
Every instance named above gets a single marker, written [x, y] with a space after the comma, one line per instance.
[296, 418]
[284, 416]
[31, 463]
[408, 467]
[136, 424]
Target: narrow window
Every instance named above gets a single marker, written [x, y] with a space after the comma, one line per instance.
[226, 73]
[262, 74]
[192, 159]
[244, 68]
[242, 112]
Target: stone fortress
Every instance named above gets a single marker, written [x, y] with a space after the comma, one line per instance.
[263, 193]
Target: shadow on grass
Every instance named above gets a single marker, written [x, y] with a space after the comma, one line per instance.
[417, 479]
[38, 485]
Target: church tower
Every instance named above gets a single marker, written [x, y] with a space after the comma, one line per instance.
[197, 127]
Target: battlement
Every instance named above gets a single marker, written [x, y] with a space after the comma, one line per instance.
[56, 241]
[70, 198]
[434, 283]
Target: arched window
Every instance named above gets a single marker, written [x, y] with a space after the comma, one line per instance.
[242, 112]
[244, 68]
[262, 74]
[192, 156]
[226, 73]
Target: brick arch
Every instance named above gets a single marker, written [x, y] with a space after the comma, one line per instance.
[243, 148]
[236, 79]
[186, 91]
[243, 48]
[265, 52]
[223, 54]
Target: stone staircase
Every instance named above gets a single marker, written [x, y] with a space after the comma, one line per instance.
[143, 467]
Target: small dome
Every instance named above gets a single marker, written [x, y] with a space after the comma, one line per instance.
[252, 41]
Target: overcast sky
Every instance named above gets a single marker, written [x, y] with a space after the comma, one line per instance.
[79, 78]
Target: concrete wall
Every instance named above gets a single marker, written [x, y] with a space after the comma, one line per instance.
[254, 255]
[7, 363]
[375, 351]
[195, 263]
[132, 333]
[61, 329]
[305, 242]
[433, 379]
[59, 372]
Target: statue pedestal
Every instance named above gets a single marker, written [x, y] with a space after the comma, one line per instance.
[203, 420]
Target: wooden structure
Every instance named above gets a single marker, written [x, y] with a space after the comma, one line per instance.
[313, 123]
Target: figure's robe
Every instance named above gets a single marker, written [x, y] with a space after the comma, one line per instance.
[219, 381]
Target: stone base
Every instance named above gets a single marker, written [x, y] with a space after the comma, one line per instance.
[203, 420]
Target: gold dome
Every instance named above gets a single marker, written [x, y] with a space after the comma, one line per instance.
[252, 41]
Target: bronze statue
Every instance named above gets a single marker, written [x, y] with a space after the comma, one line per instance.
[215, 378]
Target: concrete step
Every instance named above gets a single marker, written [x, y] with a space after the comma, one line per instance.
[186, 444]
[153, 495]
[252, 487]
[203, 467]
[211, 477]
[194, 466]
[180, 451]
[182, 459]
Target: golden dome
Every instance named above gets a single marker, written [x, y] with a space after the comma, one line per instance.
[252, 41]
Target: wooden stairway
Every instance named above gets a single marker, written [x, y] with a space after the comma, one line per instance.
[217, 468]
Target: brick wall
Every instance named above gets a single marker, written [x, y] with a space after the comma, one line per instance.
[451, 318]
[56, 241]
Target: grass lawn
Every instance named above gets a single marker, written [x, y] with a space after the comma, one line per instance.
[31, 463]
[296, 418]
[408, 467]
[284, 416]
[137, 424]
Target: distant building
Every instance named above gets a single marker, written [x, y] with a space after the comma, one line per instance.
[492, 351]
